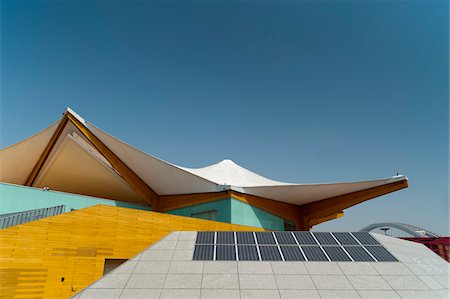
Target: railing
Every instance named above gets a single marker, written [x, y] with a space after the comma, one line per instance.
[8, 220]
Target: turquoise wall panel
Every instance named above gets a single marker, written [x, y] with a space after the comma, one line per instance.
[245, 214]
[237, 212]
[222, 207]
[16, 198]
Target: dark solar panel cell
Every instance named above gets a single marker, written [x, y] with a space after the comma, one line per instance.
[345, 239]
[285, 238]
[270, 253]
[314, 253]
[292, 253]
[265, 238]
[381, 254]
[305, 238]
[245, 238]
[225, 238]
[325, 239]
[247, 253]
[365, 238]
[203, 252]
[358, 254]
[205, 238]
[336, 254]
[225, 253]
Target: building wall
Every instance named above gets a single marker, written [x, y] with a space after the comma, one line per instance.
[58, 256]
[16, 198]
[237, 212]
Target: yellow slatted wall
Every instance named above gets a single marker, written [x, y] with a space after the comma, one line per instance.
[34, 257]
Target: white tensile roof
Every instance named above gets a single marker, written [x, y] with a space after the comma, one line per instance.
[75, 157]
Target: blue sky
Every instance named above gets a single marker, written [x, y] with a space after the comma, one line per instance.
[299, 91]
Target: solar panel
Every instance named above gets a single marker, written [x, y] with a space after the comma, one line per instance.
[381, 254]
[225, 238]
[365, 238]
[203, 252]
[336, 254]
[270, 253]
[292, 253]
[245, 238]
[282, 245]
[247, 253]
[358, 254]
[305, 238]
[265, 238]
[325, 239]
[285, 238]
[225, 253]
[205, 238]
[314, 253]
[345, 239]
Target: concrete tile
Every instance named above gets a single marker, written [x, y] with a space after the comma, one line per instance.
[359, 268]
[443, 280]
[399, 282]
[331, 282]
[289, 268]
[187, 236]
[394, 268]
[173, 236]
[126, 267]
[186, 267]
[157, 255]
[218, 267]
[180, 293]
[423, 269]
[146, 281]
[418, 294]
[431, 282]
[254, 268]
[259, 294]
[152, 267]
[338, 294]
[101, 294]
[443, 294]
[294, 282]
[112, 281]
[378, 294]
[183, 255]
[323, 268]
[296, 294]
[220, 281]
[185, 244]
[183, 281]
[257, 282]
[140, 294]
[220, 294]
[165, 245]
[368, 282]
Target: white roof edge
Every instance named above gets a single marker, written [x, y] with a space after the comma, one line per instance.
[76, 115]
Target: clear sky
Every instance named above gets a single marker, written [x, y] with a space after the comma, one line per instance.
[298, 91]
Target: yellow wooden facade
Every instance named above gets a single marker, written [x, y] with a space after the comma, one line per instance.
[56, 257]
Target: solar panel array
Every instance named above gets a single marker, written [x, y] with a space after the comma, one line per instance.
[290, 246]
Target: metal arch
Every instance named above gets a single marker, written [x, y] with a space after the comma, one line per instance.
[415, 231]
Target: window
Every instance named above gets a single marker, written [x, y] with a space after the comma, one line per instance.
[111, 264]
[207, 215]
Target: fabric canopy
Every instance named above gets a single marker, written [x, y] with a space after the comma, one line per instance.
[17, 162]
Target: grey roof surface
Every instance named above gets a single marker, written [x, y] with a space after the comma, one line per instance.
[166, 270]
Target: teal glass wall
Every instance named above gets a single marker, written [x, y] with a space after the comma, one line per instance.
[237, 212]
[16, 198]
